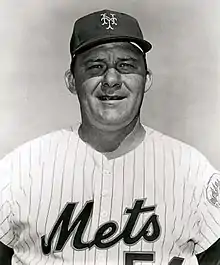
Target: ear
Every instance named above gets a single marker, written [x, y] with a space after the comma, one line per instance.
[149, 80]
[70, 81]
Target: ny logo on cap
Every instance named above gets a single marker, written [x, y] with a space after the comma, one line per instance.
[110, 21]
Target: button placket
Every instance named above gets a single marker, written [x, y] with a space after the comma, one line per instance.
[106, 172]
[106, 191]
[107, 178]
[100, 258]
[104, 214]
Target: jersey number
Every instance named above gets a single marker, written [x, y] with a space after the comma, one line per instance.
[148, 257]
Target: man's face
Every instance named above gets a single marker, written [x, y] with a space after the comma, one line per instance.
[110, 82]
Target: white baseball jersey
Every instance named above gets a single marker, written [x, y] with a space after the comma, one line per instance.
[62, 203]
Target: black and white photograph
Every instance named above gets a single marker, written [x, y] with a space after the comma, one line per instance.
[109, 136]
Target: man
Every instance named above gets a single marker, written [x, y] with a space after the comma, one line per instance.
[113, 191]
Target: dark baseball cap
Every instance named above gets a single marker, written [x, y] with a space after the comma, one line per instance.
[106, 26]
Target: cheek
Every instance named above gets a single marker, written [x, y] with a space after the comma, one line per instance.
[135, 84]
[86, 88]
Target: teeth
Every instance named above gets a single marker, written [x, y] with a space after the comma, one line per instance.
[110, 98]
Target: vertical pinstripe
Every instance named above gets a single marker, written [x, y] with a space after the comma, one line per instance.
[174, 180]
[83, 191]
[51, 193]
[62, 183]
[154, 180]
[30, 204]
[111, 203]
[99, 208]
[90, 224]
[144, 182]
[32, 185]
[121, 208]
[38, 208]
[43, 175]
[133, 181]
[17, 170]
[60, 168]
[164, 198]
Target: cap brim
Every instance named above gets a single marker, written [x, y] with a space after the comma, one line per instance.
[145, 45]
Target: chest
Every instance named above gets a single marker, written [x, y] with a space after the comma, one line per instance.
[139, 195]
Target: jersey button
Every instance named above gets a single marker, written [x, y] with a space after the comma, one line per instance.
[101, 258]
[104, 214]
[104, 193]
[106, 172]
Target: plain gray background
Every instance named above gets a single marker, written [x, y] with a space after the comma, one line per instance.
[184, 101]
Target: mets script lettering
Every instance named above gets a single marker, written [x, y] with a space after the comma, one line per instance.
[110, 21]
[106, 235]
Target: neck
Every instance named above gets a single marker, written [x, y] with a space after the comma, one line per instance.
[107, 141]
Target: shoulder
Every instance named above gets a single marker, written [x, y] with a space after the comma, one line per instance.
[184, 159]
[31, 156]
[186, 152]
[159, 137]
[37, 149]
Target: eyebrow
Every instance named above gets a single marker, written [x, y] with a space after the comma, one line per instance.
[97, 60]
[128, 59]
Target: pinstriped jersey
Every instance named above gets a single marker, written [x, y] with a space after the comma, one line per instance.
[62, 202]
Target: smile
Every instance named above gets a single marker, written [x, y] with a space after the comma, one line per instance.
[110, 98]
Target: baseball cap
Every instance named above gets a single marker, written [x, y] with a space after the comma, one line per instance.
[106, 26]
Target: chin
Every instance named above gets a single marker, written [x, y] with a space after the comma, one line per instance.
[115, 117]
[114, 124]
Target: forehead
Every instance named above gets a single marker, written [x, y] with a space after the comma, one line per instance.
[117, 49]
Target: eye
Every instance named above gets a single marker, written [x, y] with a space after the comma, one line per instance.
[95, 66]
[125, 67]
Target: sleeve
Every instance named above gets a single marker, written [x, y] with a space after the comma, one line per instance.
[7, 235]
[207, 201]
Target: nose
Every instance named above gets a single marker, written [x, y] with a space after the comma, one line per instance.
[111, 80]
